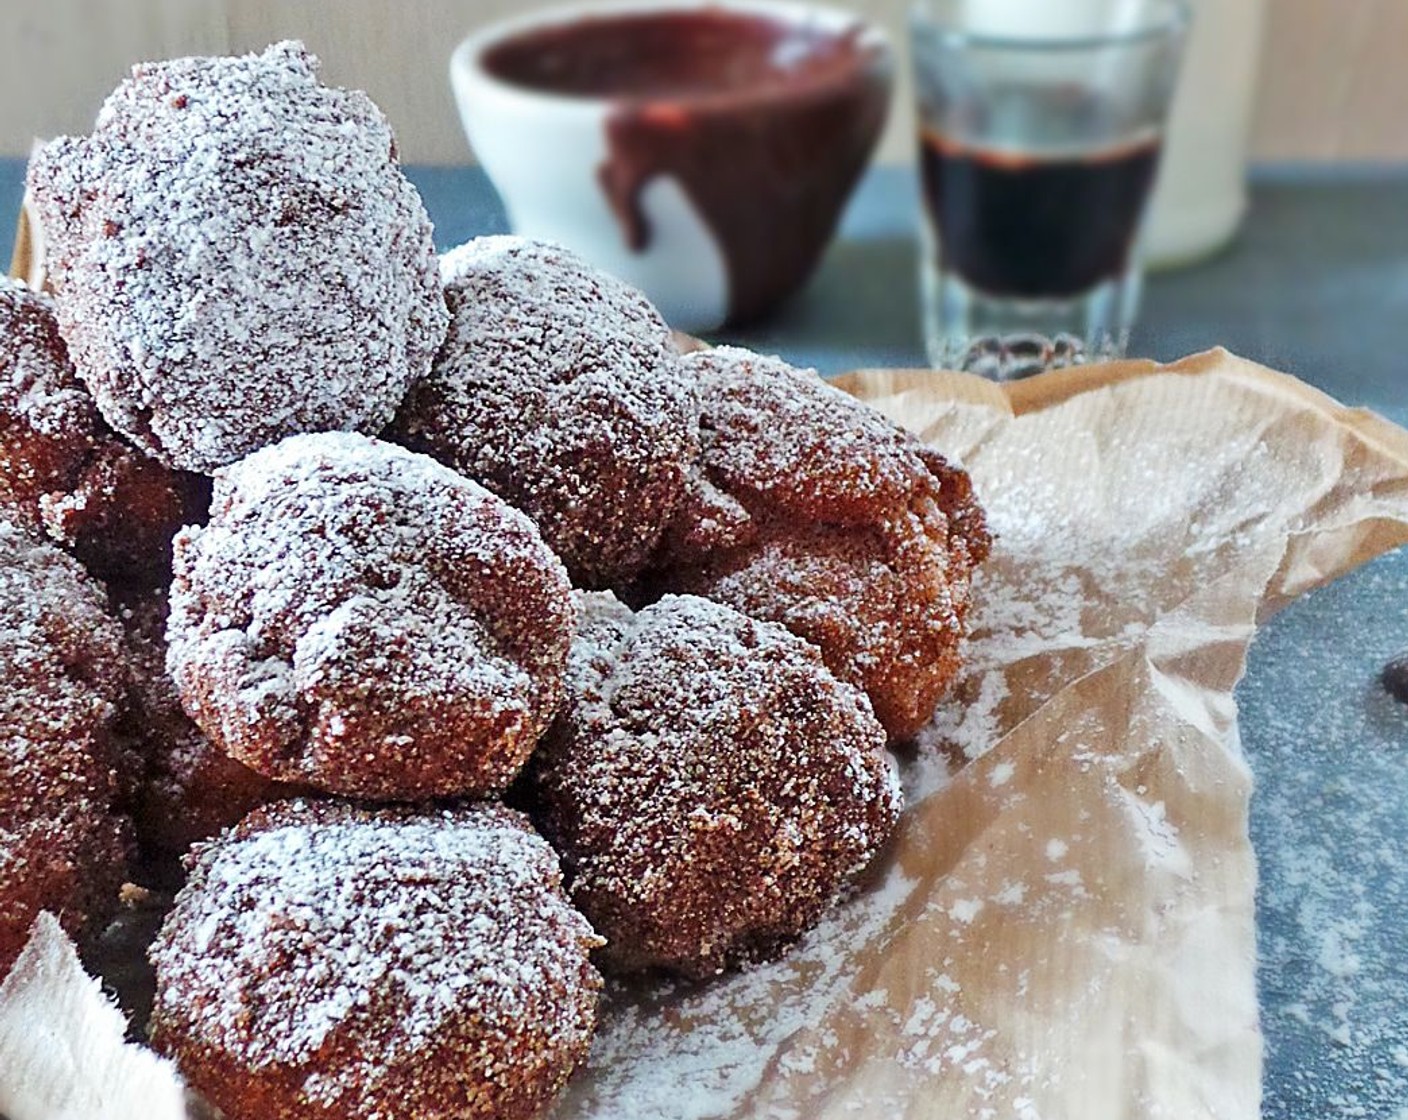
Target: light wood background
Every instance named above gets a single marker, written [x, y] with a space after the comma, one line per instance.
[1333, 80]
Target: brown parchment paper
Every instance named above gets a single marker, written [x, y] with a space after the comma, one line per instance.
[27, 257]
[1064, 927]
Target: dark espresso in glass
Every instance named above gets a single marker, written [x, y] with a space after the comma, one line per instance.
[1035, 225]
[1040, 131]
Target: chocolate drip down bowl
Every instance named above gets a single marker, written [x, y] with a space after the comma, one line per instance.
[702, 152]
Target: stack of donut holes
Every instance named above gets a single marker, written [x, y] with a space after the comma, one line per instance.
[319, 551]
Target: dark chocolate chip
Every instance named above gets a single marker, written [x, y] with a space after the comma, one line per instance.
[1394, 678]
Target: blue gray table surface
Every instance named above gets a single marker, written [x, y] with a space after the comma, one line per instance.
[1316, 284]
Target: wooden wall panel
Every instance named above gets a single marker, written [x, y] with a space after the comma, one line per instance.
[60, 58]
[1333, 81]
[1334, 84]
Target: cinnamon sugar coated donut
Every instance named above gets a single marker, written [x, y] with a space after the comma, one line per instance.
[711, 786]
[361, 619]
[187, 789]
[330, 961]
[811, 509]
[62, 846]
[236, 256]
[556, 389]
[65, 470]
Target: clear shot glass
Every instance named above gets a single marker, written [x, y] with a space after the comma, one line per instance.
[1040, 127]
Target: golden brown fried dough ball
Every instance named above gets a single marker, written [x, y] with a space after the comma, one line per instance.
[811, 509]
[65, 470]
[556, 389]
[236, 256]
[62, 846]
[711, 786]
[361, 619]
[344, 963]
[186, 788]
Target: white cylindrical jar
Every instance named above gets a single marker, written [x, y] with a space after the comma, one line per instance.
[1201, 191]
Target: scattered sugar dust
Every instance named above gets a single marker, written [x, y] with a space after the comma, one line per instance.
[1329, 749]
[673, 1049]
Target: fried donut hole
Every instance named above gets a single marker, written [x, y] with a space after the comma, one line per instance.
[65, 470]
[236, 257]
[810, 509]
[342, 962]
[62, 846]
[186, 788]
[360, 619]
[711, 787]
[556, 389]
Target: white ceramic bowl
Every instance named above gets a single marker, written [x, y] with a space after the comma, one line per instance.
[544, 152]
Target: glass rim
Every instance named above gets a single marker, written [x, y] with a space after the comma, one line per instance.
[1177, 15]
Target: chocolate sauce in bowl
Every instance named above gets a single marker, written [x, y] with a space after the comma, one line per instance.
[765, 124]
[668, 55]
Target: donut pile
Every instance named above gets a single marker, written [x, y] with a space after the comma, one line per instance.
[318, 551]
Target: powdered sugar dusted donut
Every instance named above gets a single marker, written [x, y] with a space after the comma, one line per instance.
[809, 508]
[62, 846]
[360, 618]
[65, 470]
[556, 389]
[186, 788]
[711, 786]
[332, 961]
[236, 256]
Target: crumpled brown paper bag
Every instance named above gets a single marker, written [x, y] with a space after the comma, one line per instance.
[1064, 928]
